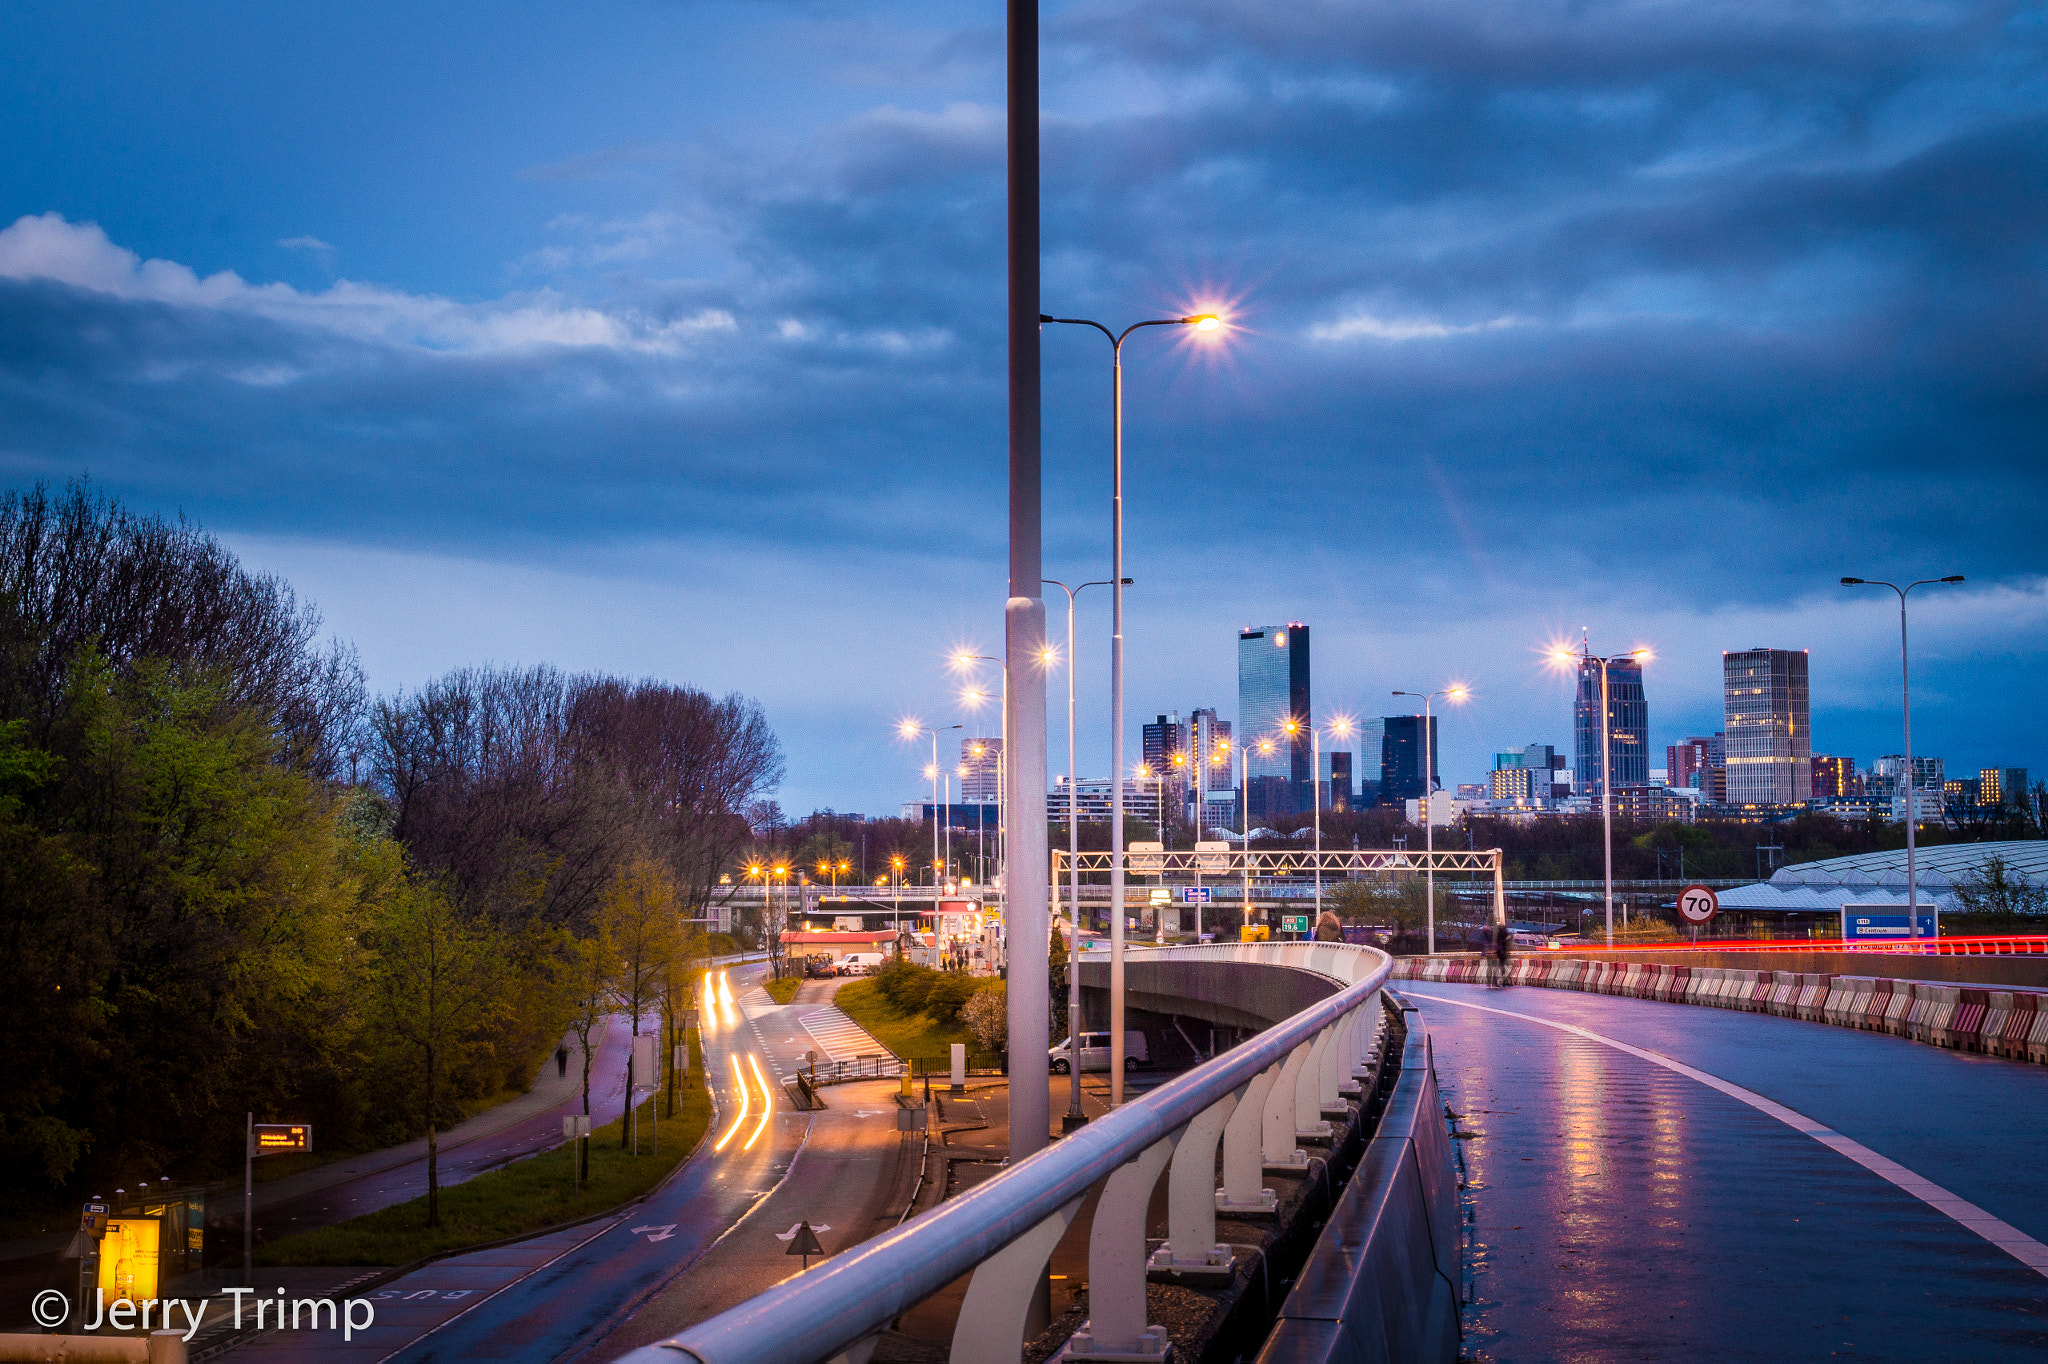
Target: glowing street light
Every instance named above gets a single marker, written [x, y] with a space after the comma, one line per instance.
[1340, 728]
[1456, 693]
[909, 729]
[1564, 656]
[1208, 323]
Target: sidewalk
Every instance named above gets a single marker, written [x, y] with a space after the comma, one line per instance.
[549, 1091]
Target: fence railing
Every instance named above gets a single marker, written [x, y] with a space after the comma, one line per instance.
[1257, 1101]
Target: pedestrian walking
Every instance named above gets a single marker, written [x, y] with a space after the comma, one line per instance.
[1503, 944]
[562, 1060]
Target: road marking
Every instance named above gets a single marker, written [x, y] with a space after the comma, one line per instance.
[790, 1235]
[660, 1233]
[2008, 1238]
[838, 1036]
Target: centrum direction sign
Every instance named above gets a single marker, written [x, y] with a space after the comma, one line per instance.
[1697, 905]
[1194, 895]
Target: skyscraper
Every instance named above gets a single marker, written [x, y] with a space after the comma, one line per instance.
[1211, 755]
[1166, 740]
[1402, 773]
[979, 760]
[1628, 727]
[1770, 747]
[1272, 688]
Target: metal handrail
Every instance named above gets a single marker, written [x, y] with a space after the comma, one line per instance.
[858, 1293]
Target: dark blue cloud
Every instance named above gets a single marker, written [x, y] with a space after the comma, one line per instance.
[1698, 305]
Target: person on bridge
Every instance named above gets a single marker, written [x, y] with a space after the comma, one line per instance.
[1503, 943]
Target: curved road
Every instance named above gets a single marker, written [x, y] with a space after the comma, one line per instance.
[563, 1294]
[1651, 1184]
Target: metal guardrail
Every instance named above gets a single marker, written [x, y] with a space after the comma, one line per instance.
[1286, 861]
[1258, 1100]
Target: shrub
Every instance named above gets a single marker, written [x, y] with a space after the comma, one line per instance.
[905, 984]
[948, 995]
[987, 1016]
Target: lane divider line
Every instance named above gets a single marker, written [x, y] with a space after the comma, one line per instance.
[2008, 1238]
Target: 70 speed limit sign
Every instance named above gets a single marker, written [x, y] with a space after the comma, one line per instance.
[1697, 905]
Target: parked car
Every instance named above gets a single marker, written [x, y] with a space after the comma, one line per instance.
[820, 965]
[860, 963]
[1095, 1053]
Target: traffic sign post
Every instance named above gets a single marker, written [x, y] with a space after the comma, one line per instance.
[1294, 923]
[1194, 895]
[1697, 905]
[264, 1139]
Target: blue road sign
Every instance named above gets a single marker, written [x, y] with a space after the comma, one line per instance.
[1194, 895]
[1883, 927]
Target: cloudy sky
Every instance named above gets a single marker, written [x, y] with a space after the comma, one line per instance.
[666, 338]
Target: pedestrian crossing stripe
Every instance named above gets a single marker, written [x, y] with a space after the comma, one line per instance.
[839, 1037]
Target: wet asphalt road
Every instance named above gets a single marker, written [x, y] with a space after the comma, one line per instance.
[1622, 1211]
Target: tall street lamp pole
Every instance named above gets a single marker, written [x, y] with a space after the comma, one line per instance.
[910, 729]
[1429, 794]
[1075, 1117]
[1244, 778]
[1203, 322]
[1341, 728]
[1906, 714]
[1564, 656]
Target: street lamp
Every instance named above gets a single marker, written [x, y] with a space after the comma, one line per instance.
[1906, 714]
[1563, 656]
[1452, 693]
[910, 729]
[1075, 1117]
[1340, 728]
[1204, 322]
[1244, 777]
[963, 660]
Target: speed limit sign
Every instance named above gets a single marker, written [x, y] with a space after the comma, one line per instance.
[1697, 905]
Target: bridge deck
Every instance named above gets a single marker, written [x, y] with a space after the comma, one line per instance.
[1624, 1210]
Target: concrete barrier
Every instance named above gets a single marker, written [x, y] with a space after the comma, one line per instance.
[1965, 1017]
[1382, 1281]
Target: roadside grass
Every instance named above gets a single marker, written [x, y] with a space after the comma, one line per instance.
[783, 991]
[907, 1035]
[522, 1197]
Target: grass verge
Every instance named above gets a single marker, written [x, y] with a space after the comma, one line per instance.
[784, 990]
[906, 1035]
[522, 1197]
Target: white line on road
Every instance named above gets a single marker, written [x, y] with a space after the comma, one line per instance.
[1964, 1213]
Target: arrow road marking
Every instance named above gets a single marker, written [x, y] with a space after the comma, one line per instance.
[790, 1235]
[660, 1233]
[869, 1112]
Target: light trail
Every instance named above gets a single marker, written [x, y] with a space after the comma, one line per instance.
[740, 1081]
[707, 999]
[767, 1103]
[732, 1015]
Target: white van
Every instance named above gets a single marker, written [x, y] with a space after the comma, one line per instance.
[860, 963]
[1095, 1053]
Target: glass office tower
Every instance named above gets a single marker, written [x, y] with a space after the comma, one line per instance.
[1628, 727]
[1272, 687]
[1770, 747]
[1402, 769]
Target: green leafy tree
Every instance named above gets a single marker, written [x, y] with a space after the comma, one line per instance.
[442, 980]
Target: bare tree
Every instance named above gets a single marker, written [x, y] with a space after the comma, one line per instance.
[78, 568]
